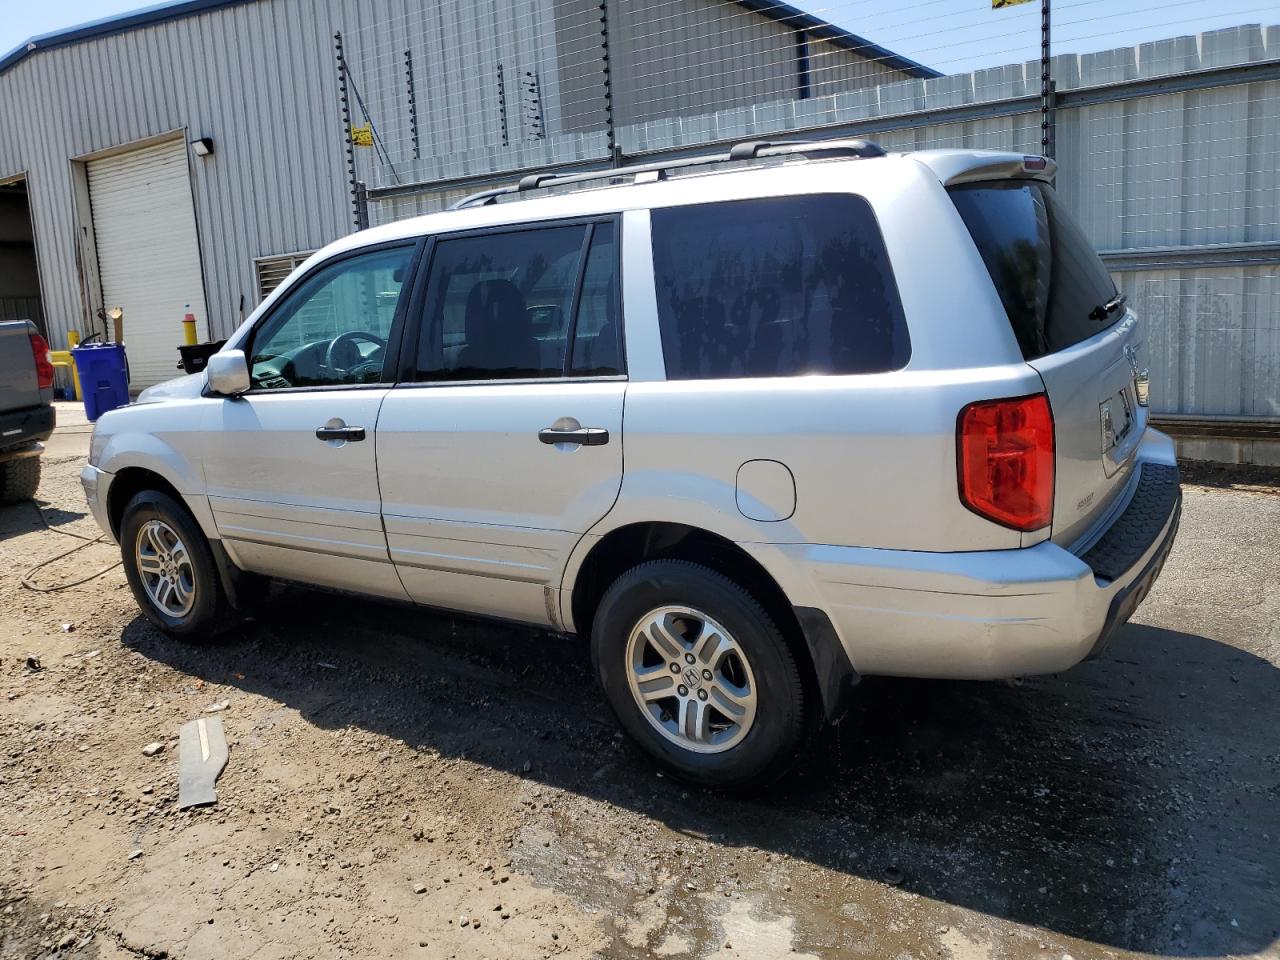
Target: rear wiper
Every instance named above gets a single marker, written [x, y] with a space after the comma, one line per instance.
[1115, 303]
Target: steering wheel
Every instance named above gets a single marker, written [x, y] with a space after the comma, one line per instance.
[343, 348]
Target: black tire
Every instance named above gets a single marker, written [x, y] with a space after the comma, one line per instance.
[19, 479]
[785, 716]
[210, 613]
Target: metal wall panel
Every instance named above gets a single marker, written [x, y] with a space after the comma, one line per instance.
[276, 182]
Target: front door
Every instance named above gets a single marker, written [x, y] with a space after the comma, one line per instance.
[504, 445]
[290, 467]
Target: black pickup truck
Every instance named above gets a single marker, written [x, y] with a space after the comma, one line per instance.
[26, 408]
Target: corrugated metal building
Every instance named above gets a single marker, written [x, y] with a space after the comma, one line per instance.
[126, 209]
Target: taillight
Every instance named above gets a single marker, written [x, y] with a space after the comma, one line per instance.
[1005, 458]
[44, 363]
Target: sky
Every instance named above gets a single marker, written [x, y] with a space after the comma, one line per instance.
[952, 36]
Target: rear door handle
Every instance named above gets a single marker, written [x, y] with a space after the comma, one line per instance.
[340, 433]
[587, 436]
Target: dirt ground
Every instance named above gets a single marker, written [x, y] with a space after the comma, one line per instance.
[405, 784]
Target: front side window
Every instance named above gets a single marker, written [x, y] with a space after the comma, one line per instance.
[332, 328]
[501, 306]
[776, 287]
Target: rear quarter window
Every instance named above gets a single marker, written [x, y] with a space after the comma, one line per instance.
[774, 287]
[1052, 283]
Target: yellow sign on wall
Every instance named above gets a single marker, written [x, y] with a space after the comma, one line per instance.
[363, 136]
[997, 4]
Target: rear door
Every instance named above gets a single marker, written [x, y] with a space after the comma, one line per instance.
[1073, 329]
[504, 444]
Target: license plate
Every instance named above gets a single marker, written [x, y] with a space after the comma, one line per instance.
[1117, 420]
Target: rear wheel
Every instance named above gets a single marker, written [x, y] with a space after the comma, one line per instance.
[700, 675]
[170, 568]
[19, 479]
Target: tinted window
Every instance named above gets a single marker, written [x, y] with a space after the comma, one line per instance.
[1051, 282]
[776, 287]
[498, 305]
[597, 336]
[332, 328]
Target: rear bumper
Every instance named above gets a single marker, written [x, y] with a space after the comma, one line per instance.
[1001, 613]
[22, 430]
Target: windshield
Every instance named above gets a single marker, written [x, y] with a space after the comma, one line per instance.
[1053, 286]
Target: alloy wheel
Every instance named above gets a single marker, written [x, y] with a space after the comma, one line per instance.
[691, 679]
[165, 567]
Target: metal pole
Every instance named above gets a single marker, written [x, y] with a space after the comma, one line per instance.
[413, 105]
[346, 126]
[1046, 83]
[615, 155]
[502, 106]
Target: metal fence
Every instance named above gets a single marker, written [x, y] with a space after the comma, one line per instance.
[1167, 150]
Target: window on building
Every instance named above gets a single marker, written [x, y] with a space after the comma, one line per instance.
[273, 271]
[776, 287]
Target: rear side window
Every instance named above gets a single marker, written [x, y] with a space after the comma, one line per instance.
[1052, 284]
[776, 287]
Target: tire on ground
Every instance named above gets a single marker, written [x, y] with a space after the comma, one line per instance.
[784, 718]
[210, 613]
[19, 479]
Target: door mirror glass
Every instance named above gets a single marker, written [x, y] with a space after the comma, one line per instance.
[228, 373]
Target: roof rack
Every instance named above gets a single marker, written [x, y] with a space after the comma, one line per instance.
[749, 150]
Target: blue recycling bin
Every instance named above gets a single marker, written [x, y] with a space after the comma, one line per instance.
[104, 377]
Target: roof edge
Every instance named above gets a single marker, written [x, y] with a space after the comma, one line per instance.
[109, 26]
[824, 30]
[163, 12]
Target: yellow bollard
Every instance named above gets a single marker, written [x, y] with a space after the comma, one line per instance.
[189, 328]
[73, 341]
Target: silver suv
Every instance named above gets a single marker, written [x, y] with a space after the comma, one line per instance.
[756, 425]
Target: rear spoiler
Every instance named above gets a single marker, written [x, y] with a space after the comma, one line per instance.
[954, 166]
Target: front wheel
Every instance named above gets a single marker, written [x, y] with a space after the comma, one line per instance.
[170, 567]
[700, 675]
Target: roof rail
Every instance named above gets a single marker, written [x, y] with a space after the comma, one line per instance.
[749, 150]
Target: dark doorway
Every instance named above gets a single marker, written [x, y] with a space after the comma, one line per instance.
[19, 279]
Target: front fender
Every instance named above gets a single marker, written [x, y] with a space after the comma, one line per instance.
[148, 451]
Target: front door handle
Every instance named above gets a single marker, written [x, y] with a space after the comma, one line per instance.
[587, 436]
[340, 433]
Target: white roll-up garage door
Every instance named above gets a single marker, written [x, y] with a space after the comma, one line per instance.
[144, 228]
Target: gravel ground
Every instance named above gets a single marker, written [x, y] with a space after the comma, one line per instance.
[406, 784]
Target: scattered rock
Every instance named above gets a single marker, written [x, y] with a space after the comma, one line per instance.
[528, 765]
[151, 749]
[464, 921]
[217, 707]
[893, 876]
[419, 888]
[34, 664]
[68, 627]
[67, 940]
[135, 853]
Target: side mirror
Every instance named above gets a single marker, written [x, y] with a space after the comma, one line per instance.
[228, 373]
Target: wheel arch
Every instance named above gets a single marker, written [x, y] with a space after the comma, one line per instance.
[128, 481]
[825, 666]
